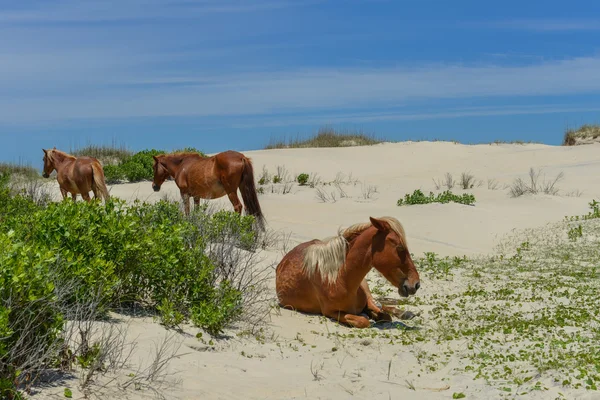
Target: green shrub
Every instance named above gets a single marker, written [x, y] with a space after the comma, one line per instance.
[302, 179]
[417, 197]
[113, 174]
[138, 167]
[65, 255]
[30, 322]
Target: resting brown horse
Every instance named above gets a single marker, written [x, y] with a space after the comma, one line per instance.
[75, 175]
[210, 178]
[328, 277]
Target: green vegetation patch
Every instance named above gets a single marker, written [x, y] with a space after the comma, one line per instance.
[138, 167]
[417, 197]
[63, 259]
[525, 319]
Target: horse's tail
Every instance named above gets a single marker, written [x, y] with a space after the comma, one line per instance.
[249, 194]
[98, 182]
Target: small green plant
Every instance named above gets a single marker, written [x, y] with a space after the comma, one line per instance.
[460, 395]
[302, 179]
[277, 179]
[417, 197]
[575, 233]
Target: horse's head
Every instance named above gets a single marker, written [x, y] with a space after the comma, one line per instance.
[160, 173]
[48, 163]
[392, 258]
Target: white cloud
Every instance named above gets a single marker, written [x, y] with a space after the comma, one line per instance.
[118, 10]
[549, 25]
[306, 91]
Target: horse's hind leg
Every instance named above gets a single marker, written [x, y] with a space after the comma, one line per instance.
[64, 193]
[357, 321]
[85, 196]
[235, 200]
[74, 197]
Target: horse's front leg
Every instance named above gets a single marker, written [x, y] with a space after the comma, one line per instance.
[74, 197]
[373, 310]
[64, 193]
[383, 313]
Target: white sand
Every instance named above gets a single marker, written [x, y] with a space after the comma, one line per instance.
[281, 367]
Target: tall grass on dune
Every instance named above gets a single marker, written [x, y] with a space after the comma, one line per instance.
[326, 137]
[19, 169]
[108, 154]
[584, 134]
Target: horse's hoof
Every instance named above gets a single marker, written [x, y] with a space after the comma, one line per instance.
[406, 315]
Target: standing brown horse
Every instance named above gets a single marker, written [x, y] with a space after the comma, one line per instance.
[75, 175]
[328, 277]
[210, 178]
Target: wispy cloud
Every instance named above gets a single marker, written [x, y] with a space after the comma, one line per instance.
[120, 93]
[118, 10]
[548, 25]
[402, 115]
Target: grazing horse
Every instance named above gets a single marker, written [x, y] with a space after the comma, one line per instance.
[75, 175]
[202, 177]
[328, 277]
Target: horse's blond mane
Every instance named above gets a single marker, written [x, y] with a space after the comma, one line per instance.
[329, 255]
[52, 153]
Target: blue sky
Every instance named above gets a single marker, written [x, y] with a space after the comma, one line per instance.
[231, 74]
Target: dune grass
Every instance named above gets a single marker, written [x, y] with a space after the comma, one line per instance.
[326, 137]
[107, 154]
[18, 169]
[584, 133]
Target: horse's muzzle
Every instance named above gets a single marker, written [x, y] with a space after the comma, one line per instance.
[406, 290]
[156, 188]
[45, 175]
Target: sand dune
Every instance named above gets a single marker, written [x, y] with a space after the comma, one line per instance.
[300, 356]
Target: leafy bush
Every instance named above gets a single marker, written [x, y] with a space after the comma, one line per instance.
[68, 255]
[417, 197]
[137, 167]
[302, 179]
[113, 174]
[30, 323]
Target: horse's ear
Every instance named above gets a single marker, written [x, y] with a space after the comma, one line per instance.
[380, 224]
[54, 148]
[155, 158]
[45, 151]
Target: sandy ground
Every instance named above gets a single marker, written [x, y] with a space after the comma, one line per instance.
[298, 357]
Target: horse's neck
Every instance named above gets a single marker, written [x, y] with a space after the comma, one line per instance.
[62, 160]
[358, 260]
[174, 164]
